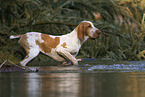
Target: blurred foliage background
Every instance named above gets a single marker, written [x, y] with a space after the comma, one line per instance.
[122, 23]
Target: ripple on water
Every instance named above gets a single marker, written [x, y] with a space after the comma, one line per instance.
[120, 67]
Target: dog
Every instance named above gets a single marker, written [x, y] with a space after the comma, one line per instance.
[60, 48]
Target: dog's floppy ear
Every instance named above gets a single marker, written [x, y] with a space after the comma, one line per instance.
[80, 32]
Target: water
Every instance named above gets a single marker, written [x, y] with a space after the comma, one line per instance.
[87, 80]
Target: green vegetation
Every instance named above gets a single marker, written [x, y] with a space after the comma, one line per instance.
[121, 22]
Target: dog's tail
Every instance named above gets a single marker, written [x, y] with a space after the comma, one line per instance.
[15, 36]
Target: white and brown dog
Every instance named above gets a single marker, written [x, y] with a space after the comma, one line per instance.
[65, 45]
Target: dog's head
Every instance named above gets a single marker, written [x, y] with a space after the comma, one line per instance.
[87, 28]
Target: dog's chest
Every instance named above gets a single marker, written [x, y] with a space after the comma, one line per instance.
[70, 44]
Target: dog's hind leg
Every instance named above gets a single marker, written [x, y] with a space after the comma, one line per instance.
[33, 52]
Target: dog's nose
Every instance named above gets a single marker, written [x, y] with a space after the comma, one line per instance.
[98, 31]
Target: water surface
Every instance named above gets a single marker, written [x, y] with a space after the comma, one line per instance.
[119, 80]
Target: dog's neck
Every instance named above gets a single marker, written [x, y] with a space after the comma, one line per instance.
[74, 34]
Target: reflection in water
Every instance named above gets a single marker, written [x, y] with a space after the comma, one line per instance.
[72, 84]
[60, 84]
[34, 85]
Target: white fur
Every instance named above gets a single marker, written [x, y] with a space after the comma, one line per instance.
[12, 37]
[92, 31]
[89, 22]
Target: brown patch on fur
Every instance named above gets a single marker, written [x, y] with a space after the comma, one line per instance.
[24, 43]
[82, 30]
[48, 43]
[64, 45]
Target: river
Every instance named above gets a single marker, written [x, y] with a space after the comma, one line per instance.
[76, 81]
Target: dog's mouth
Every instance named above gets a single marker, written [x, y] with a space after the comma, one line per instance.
[92, 38]
[95, 38]
[96, 35]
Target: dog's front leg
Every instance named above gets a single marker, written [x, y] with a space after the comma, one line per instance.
[68, 56]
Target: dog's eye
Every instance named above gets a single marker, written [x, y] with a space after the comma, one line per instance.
[89, 26]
